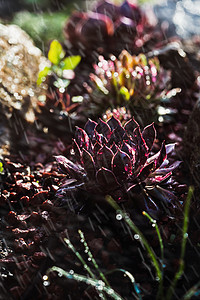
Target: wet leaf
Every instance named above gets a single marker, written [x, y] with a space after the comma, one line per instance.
[121, 165]
[149, 135]
[104, 157]
[106, 179]
[71, 62]
[88, 163]
[56, 52]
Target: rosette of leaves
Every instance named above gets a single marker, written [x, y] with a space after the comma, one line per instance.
[136, 82]
[108, 28]
[116, 160]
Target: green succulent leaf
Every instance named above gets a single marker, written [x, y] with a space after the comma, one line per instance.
[56, 52]
[70, 63]
[42, 75]
[125, 93]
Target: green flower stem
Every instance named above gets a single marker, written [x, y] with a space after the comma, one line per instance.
[183, 244]
[86, 267]
[99, 285]
[92, 258]
[158, 234]
[135, 229]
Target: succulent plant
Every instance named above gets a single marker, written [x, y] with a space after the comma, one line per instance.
[108, 28]
[136, 82]
[117, 160]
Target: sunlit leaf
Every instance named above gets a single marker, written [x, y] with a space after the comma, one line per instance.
[42, 75]
[56, 52]
[71, 62]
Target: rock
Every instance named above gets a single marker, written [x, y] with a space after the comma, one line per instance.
[20, 62]
[179, 17]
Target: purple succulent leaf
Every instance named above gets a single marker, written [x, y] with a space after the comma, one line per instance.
[162, 156]
[162, 195]
[104, 129]
[149, 135]
[121, 165]
[142, 148]
[82, 138]
[104, 157]
[88, 164]
[68, 167]
[100, 138]
[96, 148]
[154, 180]
[146, 171]
[77, 151]
[170, 148]
[130, 10]
[117, 136]
[130, 126]
[128, 150]
[170, 168]
[90, 127]
[113, 123]
[106, 179]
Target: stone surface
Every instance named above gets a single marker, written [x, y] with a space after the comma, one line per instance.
[20, 62]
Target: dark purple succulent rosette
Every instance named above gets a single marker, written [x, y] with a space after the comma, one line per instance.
[106, 28]
[116, 160]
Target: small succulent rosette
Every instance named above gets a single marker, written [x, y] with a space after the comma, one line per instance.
[108, 28]
[111, 159]
[137, 82]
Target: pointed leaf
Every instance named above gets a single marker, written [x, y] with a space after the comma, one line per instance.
[104, 157]
[82, 138]
[162, 156]
[113, 123]
[103, 128]
[146, 171]
[71, 62]
[68, 167]
[88, 164]
[89, 128]
[107, 179]
[56, 52]
[77, 150]
[131, 125]
[125, 93]
[170, 148]
[96, 148]
[121, 165]
[149, 135]
[128, 150]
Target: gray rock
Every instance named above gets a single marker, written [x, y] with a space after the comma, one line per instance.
[20, 62]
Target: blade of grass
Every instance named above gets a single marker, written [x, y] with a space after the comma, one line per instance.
[136, 230]
[99, 285]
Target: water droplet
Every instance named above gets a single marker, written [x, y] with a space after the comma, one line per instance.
[119, 217]
[45, 277]
[59, 274]
[46, 283]
[136, 236]
[89, 259]
[71, 272]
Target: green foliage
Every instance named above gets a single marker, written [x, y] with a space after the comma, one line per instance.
[43, 27]
[58, 65]
[56, 52]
